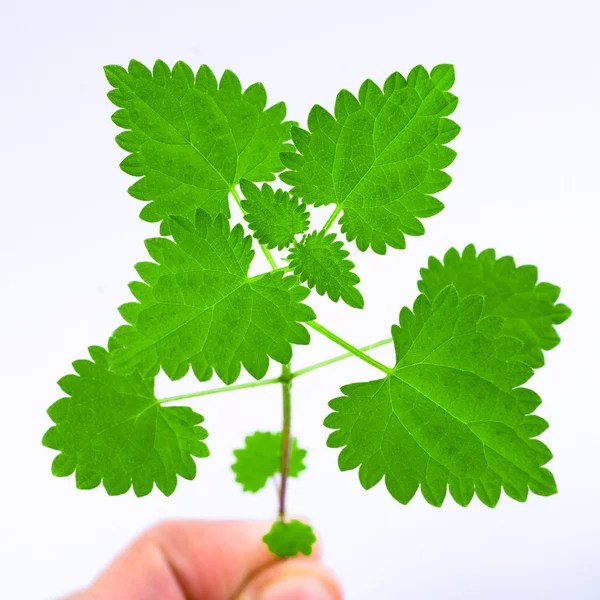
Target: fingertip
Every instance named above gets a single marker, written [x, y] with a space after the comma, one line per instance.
[294, 579]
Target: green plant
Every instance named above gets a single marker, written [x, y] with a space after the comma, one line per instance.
[450, 414]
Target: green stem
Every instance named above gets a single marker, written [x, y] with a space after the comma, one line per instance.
[335, 359]
[332, 218]
[286, 374]
[265, 250]
[237, 198]
[227, 388]
[293, 375]
[352, 349]
[286, 384]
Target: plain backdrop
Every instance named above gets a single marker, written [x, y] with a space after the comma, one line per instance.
[525, 183]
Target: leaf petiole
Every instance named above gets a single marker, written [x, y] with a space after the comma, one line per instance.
[351, 349]
[335, 359]
[226, 388]
[332, 219]
[265, 250]
[293, 375]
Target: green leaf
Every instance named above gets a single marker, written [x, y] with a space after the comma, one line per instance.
[192, 139]
[380, 158]
[529, 308]
[290, 539]
[449, 414]
[273, 216]
[261, 458]
[111, 429]
[320, 261]
[198, 307]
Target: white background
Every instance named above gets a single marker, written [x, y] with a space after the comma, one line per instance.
[525, 182]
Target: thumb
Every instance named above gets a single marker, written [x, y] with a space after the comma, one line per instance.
[295, 579]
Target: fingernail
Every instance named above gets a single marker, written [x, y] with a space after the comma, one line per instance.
[296, 587]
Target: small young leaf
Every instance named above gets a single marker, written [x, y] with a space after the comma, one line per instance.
[320, 261]
[261, 458]
[111, 429]
[529, 308]
[273, 216]
[449, 414]
[192, 139]
[290, 539]
[380, 158]
[200, 308]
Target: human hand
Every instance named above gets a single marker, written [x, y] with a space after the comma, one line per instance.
[209, 560]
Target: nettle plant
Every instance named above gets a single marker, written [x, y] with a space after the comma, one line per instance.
[449, 415]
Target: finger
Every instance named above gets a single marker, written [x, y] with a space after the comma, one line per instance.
[294, 579]
[188, 560]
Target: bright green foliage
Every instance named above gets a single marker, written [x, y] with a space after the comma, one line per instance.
[273, 216]
[320, 261]
[450, 413]
[261, 458]
[380, 158]
[111, 429]
[529, 308]
[290, 539]
[192, 139]
[200, 308]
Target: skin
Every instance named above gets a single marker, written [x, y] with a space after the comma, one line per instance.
[202, 560]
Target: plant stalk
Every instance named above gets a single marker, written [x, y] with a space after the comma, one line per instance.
[286, 384]
[348, 346]
[332, 219]
[261, 382]
[286, 373]
[226, 388]
[330, 361]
